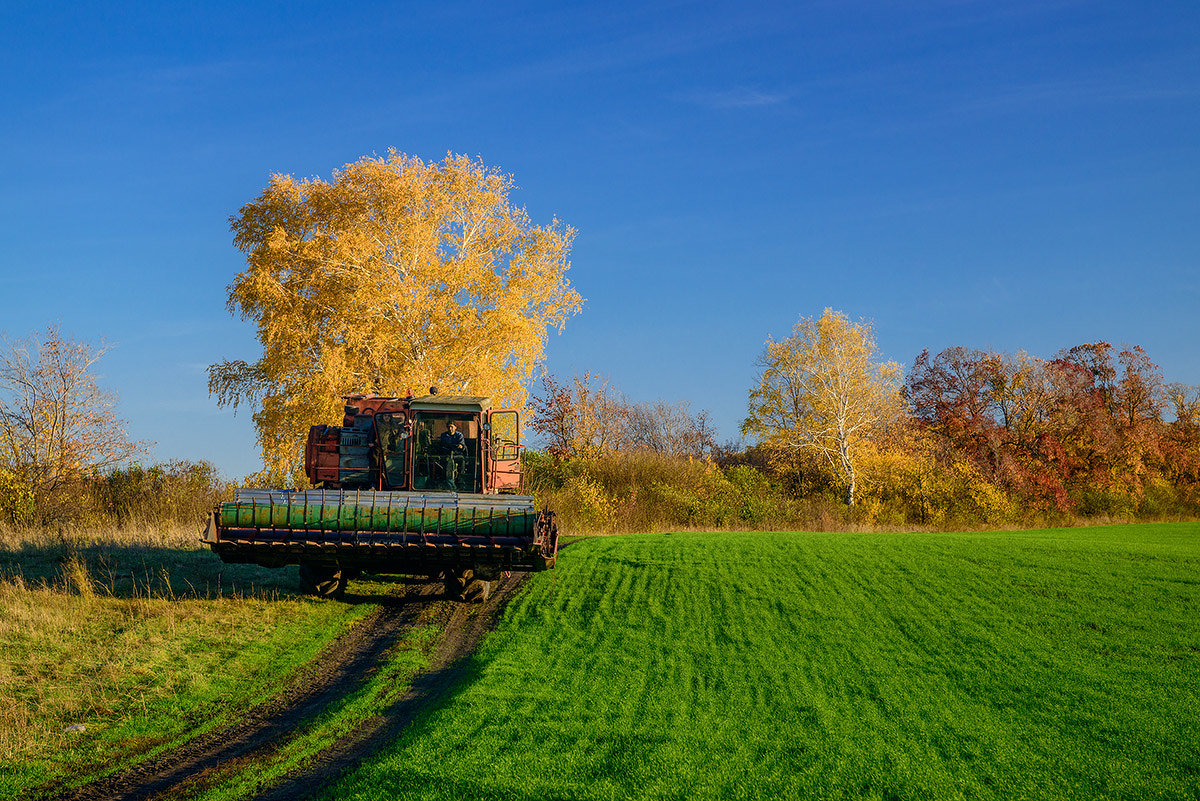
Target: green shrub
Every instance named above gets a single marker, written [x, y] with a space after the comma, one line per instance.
[174, 491]
[585, 505]
[1098, 502]
[18, 506]
[646, 491]
[1161, 499]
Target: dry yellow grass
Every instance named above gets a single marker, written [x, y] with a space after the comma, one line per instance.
[139, 634]
[141, 535]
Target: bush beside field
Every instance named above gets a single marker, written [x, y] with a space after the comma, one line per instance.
[633, 491]
[176, 492]
[642, 490]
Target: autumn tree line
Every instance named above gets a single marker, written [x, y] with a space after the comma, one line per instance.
[1096, 430]
[964, 437]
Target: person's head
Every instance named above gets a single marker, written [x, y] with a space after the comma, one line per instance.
[451, 428]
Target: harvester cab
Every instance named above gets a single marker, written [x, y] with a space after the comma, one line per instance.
[423, 486]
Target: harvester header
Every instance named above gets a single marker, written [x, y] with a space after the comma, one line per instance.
[421, 486]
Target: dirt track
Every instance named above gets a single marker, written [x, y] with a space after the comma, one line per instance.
[340, 669]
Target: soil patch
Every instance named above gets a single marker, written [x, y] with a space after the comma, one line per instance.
[467, 626]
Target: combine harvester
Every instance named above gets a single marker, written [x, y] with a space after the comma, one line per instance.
[414, 486]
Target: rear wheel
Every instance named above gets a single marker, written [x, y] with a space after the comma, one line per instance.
[456, 582]
[325, 581]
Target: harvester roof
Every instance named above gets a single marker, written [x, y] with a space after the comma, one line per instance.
[472, 403]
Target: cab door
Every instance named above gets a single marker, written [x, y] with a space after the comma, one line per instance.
[504, 451]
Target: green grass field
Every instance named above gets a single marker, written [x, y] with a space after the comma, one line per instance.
[1038, 664]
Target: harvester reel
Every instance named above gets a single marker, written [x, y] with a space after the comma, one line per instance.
[469, 542]
[326, 581]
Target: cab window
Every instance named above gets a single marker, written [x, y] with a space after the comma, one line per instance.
[445, 460]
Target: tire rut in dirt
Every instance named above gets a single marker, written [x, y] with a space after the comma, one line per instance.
[340, 668]
[466, 627]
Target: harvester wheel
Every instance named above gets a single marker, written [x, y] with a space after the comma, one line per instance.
[322, 580]
[478, 590]
[456, 582]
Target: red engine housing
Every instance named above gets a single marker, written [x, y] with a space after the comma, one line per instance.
[321, 454]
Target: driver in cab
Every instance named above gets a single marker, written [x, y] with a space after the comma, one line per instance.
[455, 447]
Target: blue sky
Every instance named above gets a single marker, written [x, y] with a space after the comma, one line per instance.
[1020, 175]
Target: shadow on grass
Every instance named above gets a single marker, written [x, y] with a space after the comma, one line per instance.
[141, 571]
[161, 571]
[370, 588]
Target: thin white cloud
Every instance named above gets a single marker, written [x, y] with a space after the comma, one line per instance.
[734, 98]
[188, 77]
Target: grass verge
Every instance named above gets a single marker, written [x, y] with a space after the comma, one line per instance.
[115, 647]
[1038, 664]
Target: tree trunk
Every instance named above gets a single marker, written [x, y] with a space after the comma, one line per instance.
[847, 466]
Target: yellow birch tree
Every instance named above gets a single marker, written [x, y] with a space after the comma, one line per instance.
[820, 390]
[57, 426]
[394, 274]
